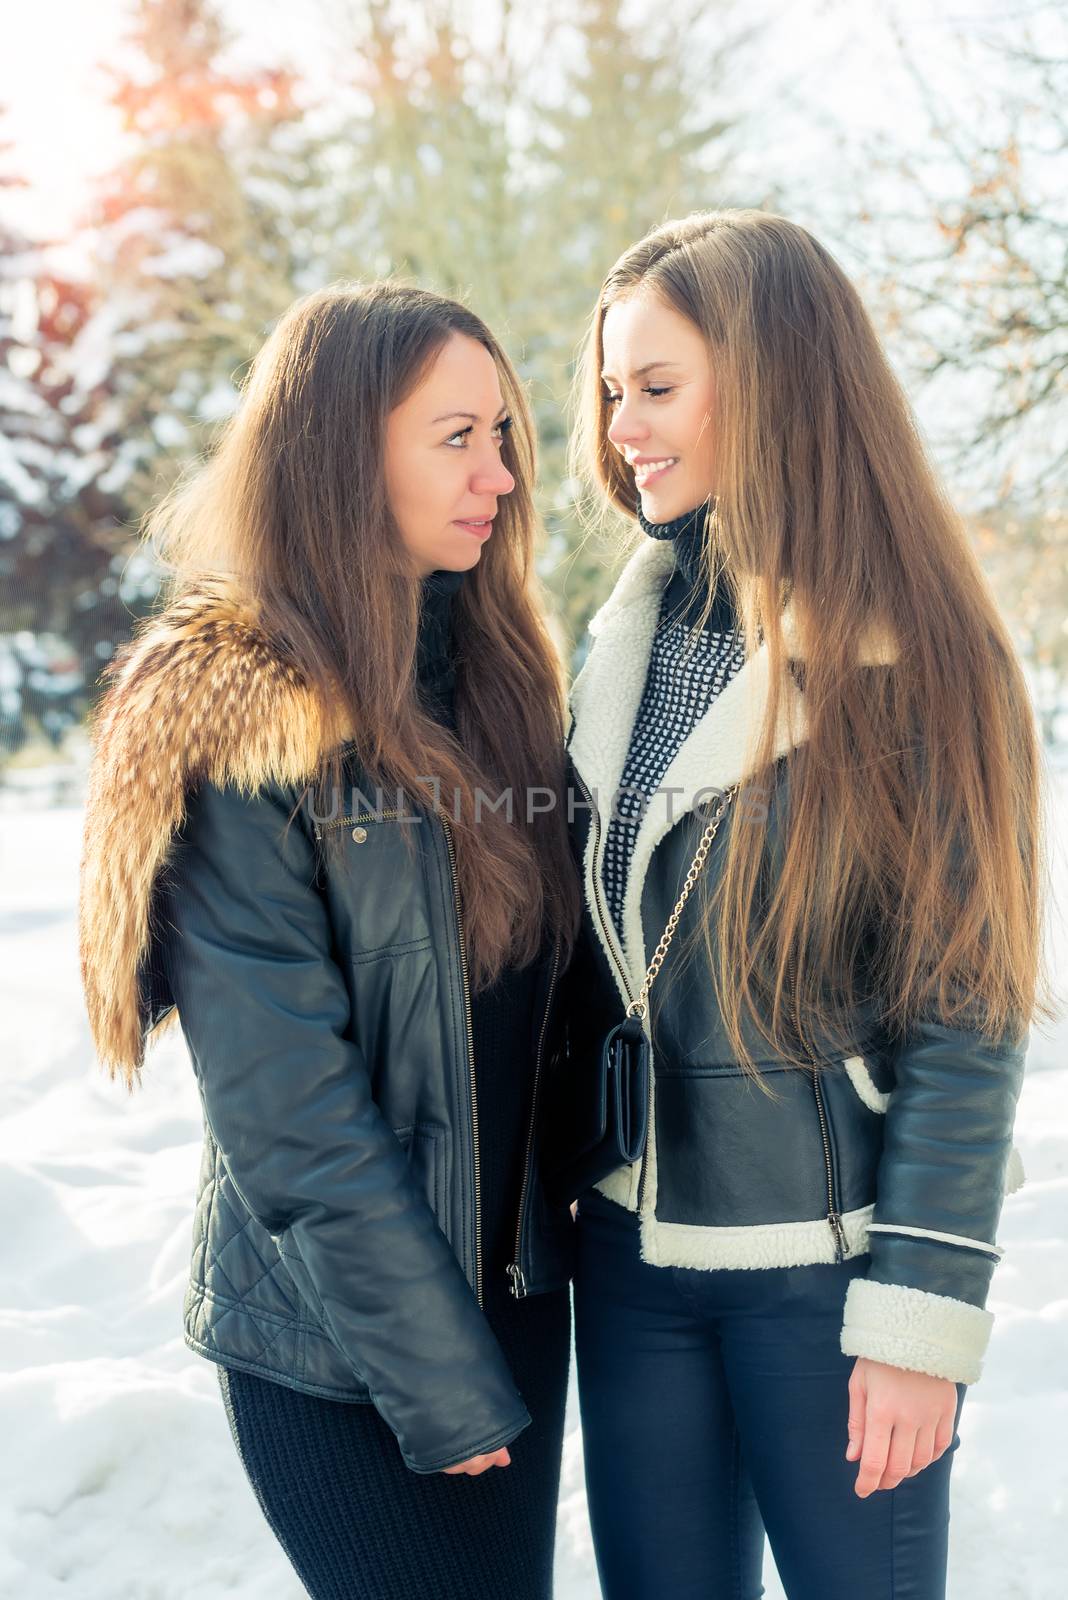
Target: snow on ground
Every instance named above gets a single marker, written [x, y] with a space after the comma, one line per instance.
[118, 1475]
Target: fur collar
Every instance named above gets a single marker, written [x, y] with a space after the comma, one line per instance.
[717, 753]
[199, 693]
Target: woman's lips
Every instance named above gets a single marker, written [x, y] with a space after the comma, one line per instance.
[482, 527]
[645, 475]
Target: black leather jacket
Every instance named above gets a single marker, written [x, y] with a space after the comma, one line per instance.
[324, 998]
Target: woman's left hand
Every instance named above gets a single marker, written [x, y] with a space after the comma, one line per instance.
[899, 1422]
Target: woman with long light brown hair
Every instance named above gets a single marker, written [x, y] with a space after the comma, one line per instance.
[810, 837]
[319, 834]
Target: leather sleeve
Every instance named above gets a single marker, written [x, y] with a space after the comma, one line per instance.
[287, 1094]
[939, 1191]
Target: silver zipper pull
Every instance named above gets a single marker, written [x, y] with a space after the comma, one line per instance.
[519, 1283]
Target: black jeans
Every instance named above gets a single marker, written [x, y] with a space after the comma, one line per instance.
[714, 1407]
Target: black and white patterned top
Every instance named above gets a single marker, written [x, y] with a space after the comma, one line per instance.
[687, 670]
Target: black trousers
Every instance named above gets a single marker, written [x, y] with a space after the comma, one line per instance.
[357, 1524]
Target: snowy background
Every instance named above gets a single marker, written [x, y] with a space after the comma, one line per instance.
[172, 174]
[118, 1475]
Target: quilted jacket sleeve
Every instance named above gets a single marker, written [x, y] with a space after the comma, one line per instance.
[939, 1193]
[287, 1095]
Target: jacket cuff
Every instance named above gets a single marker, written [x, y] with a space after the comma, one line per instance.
[915, 1329]
[484, 1447]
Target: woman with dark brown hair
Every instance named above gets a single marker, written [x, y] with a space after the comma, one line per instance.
[321, 831]
[812, 856]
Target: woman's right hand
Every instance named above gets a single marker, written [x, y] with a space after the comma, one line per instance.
[477, 1464]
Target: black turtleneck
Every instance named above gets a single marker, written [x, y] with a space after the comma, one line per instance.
[684, 594]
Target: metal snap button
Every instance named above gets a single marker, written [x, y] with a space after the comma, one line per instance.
[359, 834]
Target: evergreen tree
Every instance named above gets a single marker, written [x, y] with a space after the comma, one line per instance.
[632, 136]
[198, 236]
[23, 429]
[41, 563]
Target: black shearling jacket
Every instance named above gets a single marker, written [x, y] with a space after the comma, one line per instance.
[896, 1148]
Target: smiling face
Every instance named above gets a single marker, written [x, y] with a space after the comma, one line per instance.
[659, 389]
[444, 473]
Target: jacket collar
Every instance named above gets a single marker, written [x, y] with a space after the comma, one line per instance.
[200, 693]
[718, 752]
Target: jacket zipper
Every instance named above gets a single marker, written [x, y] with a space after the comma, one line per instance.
[470, 1054]
[515, 1270]
[834, 1220]
[345, 822]
[833, 1216]
[610, 937]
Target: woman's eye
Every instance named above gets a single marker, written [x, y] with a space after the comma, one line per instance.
[614, 399]
[499, 430]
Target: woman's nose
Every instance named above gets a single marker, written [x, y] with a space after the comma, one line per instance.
[626, 429]
[493, 478]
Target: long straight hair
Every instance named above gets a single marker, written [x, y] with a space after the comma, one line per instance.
[291, 507]
[915, 805]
